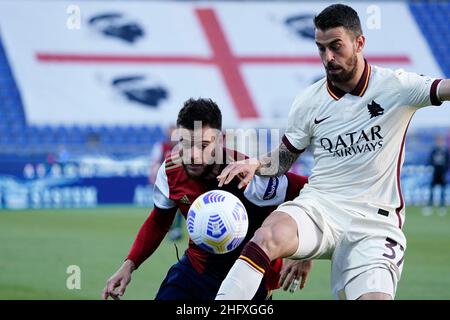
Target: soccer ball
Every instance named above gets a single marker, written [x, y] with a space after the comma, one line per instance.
[217, 221]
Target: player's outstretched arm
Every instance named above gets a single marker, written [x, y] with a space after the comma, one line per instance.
[148, 239]
[275, 163]
[444, 90]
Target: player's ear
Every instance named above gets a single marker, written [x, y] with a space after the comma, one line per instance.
[360, 42]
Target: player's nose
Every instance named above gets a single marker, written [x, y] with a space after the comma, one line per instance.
[197, 155]
[329, 55]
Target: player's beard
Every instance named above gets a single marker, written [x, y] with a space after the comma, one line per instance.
[347, 72]
[201, 175]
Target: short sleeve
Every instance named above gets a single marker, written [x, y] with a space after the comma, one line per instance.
[161, 190]
[297, 136]
[418, 90]
[267, 191]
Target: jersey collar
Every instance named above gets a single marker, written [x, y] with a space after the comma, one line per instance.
[360, 88]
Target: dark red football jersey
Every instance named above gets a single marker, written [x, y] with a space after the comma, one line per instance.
[174, 188]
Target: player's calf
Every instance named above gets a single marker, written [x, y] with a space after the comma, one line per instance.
[244, 278]
[275, 239]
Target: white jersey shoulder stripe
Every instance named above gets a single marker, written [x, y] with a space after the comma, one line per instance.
[161, 190]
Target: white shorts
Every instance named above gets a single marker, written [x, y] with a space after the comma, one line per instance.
[364, 256]
[373, 280]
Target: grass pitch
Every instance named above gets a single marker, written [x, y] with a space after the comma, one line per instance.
[37, 247]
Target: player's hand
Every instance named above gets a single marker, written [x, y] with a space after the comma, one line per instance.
[116, 285]
[244, 170]
[294, 273]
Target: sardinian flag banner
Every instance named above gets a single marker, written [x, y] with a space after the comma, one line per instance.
[126, 62]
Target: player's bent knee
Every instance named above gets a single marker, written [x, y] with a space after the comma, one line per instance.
[277, 236]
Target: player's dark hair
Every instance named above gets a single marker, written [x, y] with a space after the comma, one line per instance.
[204, 110]
[339, 15]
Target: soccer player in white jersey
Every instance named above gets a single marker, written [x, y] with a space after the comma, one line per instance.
[352, 210]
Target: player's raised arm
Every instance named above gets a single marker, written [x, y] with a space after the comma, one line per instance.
[421, 90]
[278, 161]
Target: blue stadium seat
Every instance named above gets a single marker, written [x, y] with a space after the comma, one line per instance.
[433, 19]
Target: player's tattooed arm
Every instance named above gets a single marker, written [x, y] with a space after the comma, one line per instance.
[444, 90]
[277, 162]
[273, 164]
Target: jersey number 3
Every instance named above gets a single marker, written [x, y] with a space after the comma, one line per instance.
[392, 245]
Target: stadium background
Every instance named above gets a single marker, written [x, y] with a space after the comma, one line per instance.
[88, 90]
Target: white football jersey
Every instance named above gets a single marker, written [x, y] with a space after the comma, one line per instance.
[358, 138]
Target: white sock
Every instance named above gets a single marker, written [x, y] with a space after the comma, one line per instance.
[241, 283]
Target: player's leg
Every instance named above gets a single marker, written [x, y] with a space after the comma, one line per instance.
[278, 237]
[366, 267]
[261, 294]
[431, 198]
[442, 209]
[442, 195]
[183, 282]
[428, 209]
[374, 284]
[175, 286]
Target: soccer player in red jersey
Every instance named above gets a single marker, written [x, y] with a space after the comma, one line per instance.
[188, 172]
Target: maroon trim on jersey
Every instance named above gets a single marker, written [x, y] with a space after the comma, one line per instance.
[290, 147]
[433, 93]
[295, 184]
[334, 92]
[360, 88]
[399, 188]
